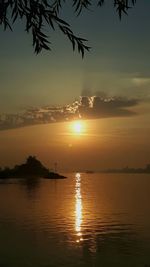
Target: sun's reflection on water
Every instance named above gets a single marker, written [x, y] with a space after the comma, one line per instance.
[78, 208]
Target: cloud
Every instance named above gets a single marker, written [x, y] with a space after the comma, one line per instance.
[99, 107]
[87, 107]
[141, 81]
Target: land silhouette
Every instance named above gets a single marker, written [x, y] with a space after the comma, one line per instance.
[128, 170]
[31, 168]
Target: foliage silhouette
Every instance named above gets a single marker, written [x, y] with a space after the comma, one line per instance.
[37, 14]
[31, 168]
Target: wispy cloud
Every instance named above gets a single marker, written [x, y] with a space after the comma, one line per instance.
[87, 107]
[141, 81]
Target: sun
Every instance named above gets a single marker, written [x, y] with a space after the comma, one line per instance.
[77, 127]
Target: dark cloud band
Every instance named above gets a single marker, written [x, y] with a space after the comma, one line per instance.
[87, 107]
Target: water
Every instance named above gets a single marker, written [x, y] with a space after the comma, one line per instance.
[86, 220]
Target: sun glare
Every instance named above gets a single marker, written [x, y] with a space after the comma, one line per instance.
[78, 208]
[77, 127]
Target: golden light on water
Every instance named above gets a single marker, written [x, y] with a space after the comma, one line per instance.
[78, 208]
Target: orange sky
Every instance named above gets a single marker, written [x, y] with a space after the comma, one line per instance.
[104, 143]
[117, 67]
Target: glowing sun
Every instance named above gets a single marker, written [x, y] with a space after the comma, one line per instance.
[77, 127]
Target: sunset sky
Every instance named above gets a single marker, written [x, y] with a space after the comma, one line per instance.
[43, 93]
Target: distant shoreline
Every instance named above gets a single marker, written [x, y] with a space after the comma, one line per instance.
[127, 171]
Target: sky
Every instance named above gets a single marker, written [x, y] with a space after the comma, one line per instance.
[108, 91]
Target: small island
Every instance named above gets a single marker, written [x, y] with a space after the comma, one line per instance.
[31, 168]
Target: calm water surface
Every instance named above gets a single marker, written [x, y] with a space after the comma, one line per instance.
[85, 220]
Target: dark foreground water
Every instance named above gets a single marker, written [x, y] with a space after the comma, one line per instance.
[86, 220]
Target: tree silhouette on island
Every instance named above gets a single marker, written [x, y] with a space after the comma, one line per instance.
[31, 168]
